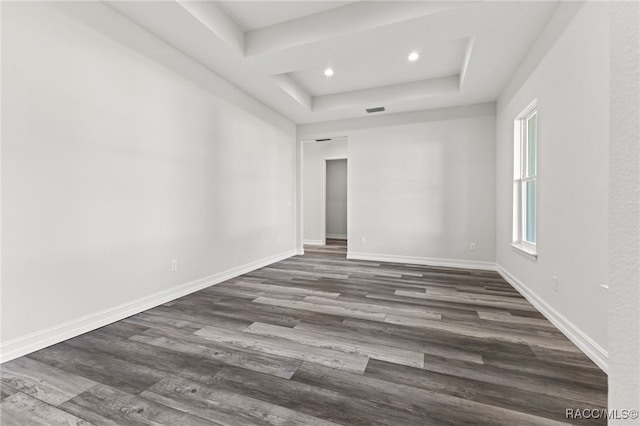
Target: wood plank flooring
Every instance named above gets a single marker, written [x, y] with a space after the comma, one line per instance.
[316, 340]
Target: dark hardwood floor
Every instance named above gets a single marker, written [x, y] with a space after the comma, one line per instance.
[316, 339]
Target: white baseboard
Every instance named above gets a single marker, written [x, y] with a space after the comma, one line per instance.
[587, 345]
[20, 346]
[337, 236]
[414, 260]
[300, 251]
[313, 242]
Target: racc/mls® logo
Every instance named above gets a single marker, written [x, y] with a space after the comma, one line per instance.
[600, 413]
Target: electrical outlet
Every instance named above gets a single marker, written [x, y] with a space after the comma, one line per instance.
[555, 284]
[472, 246]
[363, 240]
[174, 265]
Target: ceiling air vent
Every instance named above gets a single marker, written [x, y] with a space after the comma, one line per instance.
[323, 140]
[376, 109]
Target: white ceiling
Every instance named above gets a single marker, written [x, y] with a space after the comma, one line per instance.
[251, 15]
[278, 51]
[370, 66]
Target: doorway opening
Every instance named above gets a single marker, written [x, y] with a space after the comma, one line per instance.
[336, 203]
[323, 195]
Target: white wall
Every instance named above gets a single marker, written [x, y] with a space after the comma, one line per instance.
[624, 208]
[421, 185]
[571, 85]
[314, 158]
[113, 164]
[336, 199]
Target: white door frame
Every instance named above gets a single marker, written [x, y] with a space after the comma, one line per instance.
[323, 213]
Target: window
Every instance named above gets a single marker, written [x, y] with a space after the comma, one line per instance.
[524, 179]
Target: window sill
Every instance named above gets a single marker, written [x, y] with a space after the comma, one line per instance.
[525, 251]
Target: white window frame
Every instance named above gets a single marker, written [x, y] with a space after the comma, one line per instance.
[520, 179]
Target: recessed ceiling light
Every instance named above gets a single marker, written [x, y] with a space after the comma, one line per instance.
[328, 72]
[413, 56]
